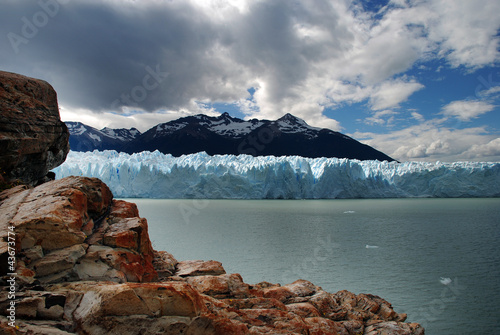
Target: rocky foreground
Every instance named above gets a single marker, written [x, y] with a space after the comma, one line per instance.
[85, 265]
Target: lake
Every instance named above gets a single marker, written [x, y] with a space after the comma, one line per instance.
[436, 259]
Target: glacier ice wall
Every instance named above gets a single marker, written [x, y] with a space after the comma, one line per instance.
[156, 175]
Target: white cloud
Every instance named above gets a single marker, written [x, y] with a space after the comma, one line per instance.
[385, 48]
[466, 110]
[417, 116]
[466, 31]
[390, 94]
[490, 149]
[430, 141]
[381, 117]
[491, 92]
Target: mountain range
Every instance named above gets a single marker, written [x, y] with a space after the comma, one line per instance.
[287, 136]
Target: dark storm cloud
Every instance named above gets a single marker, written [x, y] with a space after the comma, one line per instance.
[101, 56]
[95, 53]
[266, 41]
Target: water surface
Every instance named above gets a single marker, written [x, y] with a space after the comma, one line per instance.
[436, 259]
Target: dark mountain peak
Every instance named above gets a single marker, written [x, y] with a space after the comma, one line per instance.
[289, 123]
[293, 120]
[75, 126]
[289, 117]
[202, 117]
[111, 130]
[121, 134]
[86, 138]
[224, 134]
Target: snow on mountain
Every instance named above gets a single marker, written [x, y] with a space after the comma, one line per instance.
[87, 138]
[156, 175]
[223, 125]
[76, 128]
[224, 134]
[166, 129]
[121, 134]
[291, 124]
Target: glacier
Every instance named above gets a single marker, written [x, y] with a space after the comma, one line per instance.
[156, 175]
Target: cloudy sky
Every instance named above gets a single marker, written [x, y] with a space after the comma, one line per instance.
[417, 79]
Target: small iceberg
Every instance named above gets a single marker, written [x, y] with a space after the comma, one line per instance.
[445, 281]
[371, 246]
[349, 212]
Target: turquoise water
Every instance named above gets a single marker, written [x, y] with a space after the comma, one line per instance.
[436, 259]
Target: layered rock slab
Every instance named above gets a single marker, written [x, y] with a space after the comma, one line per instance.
[33, 139]
[72, 229]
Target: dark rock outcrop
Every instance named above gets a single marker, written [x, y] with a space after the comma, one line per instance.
[33, 139]
[85, 265]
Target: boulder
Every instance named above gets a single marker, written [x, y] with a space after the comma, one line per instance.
[54, 215]
[302, 288]
[323, 326]
[327, 306]
[260, 303]
[37, 305]
[115, 264]
[199, 268]
[59, 261]
[33, 139]
[222, 286]
[394, 328]
[133, 308]
[72, 229]
[150, 299]
[303, 309]
[274, 321]
[165, 264]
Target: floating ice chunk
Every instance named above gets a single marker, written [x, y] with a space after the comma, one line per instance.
[349, 212]
[445, 281]
[371, 246]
